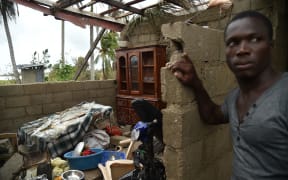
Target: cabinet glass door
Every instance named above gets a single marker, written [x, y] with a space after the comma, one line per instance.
[122, 72]
[134, 74]
[148, 75]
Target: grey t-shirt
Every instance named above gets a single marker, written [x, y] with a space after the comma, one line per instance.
[260, 143]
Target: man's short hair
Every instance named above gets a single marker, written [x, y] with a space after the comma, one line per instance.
[253, 14]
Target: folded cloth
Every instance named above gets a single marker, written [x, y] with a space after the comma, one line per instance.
[62, 131]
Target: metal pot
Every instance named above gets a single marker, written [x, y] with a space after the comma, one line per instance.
[72, 175]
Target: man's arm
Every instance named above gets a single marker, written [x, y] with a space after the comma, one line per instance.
[185, 72]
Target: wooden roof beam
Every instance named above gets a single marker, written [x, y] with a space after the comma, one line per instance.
[88, 4]
[66, 3]
[116, 8]
[123, 6]
[76, 16]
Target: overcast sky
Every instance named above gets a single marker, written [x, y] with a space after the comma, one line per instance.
[34, 32]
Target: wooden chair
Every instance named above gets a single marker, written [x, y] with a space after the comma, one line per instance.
[115, 169]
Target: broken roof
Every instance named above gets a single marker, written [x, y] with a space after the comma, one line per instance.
[114, 11]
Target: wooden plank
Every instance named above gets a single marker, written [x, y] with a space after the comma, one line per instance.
[123, 6]
[76, 16]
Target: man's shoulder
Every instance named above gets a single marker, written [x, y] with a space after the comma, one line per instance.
[283, 82]
[285, 76]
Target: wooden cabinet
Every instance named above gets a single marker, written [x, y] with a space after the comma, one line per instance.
[138, 76]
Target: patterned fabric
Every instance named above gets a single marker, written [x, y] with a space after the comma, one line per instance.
[62, 131]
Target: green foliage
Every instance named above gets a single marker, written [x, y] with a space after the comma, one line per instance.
[108, 45]
[7, 82]
[61, 72]
[65, 72]
[85, 74]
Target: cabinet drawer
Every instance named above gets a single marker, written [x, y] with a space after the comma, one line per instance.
[122, 102]
[123, 116]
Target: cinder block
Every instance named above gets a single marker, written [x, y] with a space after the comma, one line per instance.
[6, 124]
[33, 89]
[48, 98]
[10, 113]
[2, 102]
[91, 85]
[192, 159]
[173, 31]
[208, 172]
[56, 87]
[183, 126]
[154, 37]
[224, 164]
[79, 95]
[200, 43]
[75, 85]
[34, 110]
[241, 5]
[11, 90]
[184, 163]
[52, 108]
[173, 92]
[143, 37]
[62, 96]
[261, 4]
[173, 126]
[37, 99]
[18, 101]
[173, 168]
[107, 92]
[217, 78]
[107, 84]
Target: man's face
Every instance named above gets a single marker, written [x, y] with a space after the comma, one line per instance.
[248, 47]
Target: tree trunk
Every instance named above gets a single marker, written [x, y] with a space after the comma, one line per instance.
[62, 42]
[11, 50]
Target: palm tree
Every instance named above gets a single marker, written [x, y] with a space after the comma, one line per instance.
[8, 10]
[107, 53]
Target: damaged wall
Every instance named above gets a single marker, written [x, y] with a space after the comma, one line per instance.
[195, 150]
[27, 102]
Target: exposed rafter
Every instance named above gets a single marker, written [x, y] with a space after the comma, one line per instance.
[116, 8]
[123, 6]
[76, 11]
[74, 15]
[66, 3]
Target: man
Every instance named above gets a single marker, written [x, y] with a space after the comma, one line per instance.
[258, 110]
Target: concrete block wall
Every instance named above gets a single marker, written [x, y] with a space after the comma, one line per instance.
[27, 102]
[275, 10]
[195, 150]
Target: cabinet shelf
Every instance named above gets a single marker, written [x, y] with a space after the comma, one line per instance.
[148, 82]
[148, 66]
[138, 76]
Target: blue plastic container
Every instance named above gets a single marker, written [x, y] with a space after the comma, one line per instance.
[111, 155]
[84, 162]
